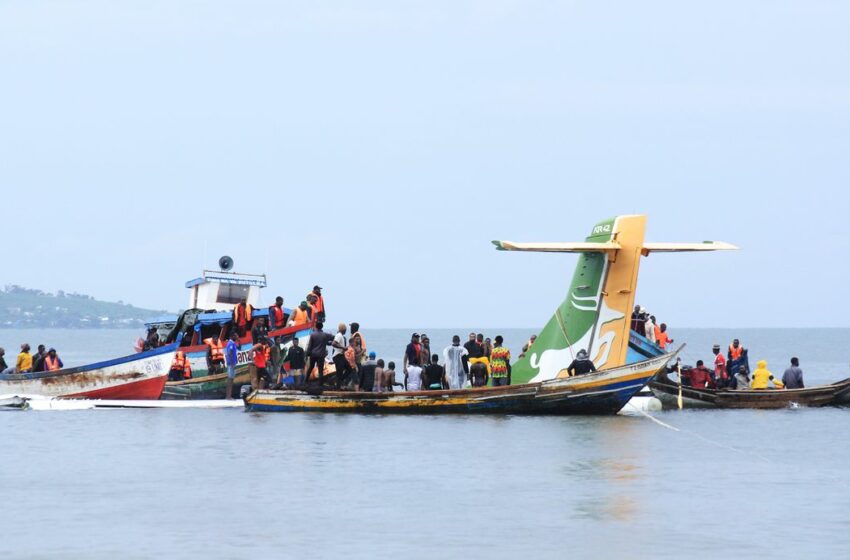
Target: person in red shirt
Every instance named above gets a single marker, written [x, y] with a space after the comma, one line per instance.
[721, 378]
[700, 376]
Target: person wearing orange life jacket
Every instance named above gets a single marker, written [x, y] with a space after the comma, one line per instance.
[180, 368]
[260, 356]
[312, 303]
[299, 315]
[737, 359]
[242, 315]
[52, 361]
[277, 316]
[662, 338]
[215, 354]
[320, 303]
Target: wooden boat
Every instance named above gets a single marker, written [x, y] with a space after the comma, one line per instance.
[140, 376]
[594, 317]
[602, 392]
[667, 391]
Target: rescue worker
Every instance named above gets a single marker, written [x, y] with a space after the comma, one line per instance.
[737, 358]
[662, 339]
[215, 354]
[231, 358]
[700, 376]
[762, 376]
[52, 362]
[242, 315]
[721, 379]
[260, 354]
[277, 315]
[581, 365]
[313, 307]
[299, 315]
[180, 368]
[320, 303]
[24, 362]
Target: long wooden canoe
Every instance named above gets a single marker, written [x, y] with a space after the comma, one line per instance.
[667, 392]
[602, 392]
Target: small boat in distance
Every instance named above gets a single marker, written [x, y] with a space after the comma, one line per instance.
[595, 316]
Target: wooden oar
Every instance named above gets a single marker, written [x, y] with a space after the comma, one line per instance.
[679, 400]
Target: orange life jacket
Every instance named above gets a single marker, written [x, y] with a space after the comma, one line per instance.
[320, 302]
[276, 317]
[736, 353]
[242, 314]
[51, 364]
[261, 357]
[662, 339]
[179, 362]
[216, 349]
[299, 316]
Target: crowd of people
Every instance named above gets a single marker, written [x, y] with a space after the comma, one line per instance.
[26, 362]
[731, 371]
[647, 325]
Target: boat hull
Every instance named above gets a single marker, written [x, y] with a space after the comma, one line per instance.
[138, 377]
[824, 395]
[604, 392]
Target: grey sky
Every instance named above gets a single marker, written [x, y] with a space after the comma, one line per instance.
[377, 147]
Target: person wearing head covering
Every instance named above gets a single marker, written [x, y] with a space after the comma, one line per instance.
[649, 329]
[581, 365]
[721, 379]
[52, 362]
[24, 362]
[762, 377]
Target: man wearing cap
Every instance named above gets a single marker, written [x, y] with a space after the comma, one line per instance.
[721, 379]
[320, 303]
[367, 373]
[581, 365]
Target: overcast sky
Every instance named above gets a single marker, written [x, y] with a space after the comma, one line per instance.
[376, 148]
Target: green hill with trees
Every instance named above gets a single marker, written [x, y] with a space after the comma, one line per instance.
[22, 308]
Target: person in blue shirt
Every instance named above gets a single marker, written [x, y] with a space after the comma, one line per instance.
[231, 357]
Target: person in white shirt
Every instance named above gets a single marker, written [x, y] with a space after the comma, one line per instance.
[413, 378]
[338, 355]
[453, 358]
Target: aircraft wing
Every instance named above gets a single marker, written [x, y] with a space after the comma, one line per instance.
[686, 247]
[578, 247]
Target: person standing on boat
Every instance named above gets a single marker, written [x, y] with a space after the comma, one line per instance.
[425, 350]
[295, 358]
[242, 315]
[231, 358]
[180, 368]
[650, 329]
[260, 330]
[317, 351]
[471, 352]
[793, 376]
[435, 375]
[413, 353]
[367, 373]
[277, 316]
[638, 323]
[215, 354]
[581, 365]
[453, 357]
[500, 364]
[359, 343]
[338, 347]
[52, 362]
[721, 378]
[260, 354]
[320, 303]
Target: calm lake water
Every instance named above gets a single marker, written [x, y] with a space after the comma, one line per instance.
[230, 484]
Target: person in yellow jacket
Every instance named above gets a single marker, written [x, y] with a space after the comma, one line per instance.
[762, 377]
[24, 361]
